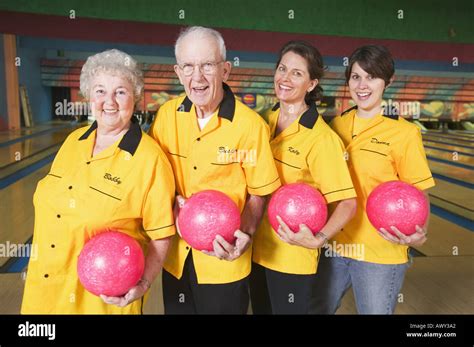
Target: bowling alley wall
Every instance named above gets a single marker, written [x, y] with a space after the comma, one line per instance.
[434, 61]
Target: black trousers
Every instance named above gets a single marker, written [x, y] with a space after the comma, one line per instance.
[273, 292]
[186, 296]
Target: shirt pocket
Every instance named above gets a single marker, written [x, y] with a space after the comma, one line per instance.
[290, 169]
[106, 198]
[375, 161]
[229, 172]
[107, 192]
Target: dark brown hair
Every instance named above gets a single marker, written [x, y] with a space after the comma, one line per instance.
[373, 59]
[314, 62]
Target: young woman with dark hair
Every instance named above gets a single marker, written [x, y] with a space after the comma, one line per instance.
[381, 147]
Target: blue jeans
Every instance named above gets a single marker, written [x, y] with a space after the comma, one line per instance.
[375, 286]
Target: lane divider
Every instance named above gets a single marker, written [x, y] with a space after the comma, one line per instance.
[31, 155]
[18, 175]
[449, 151]
[451, 162]
[447, 143]
[457, 138]
[16, 265]
[39, 133]
[453, 180]
[453, 218]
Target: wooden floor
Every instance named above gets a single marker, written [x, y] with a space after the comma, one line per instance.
[433, 285]
[440, 280]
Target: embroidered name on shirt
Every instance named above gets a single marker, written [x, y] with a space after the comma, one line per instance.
[223, 149]
[294, 150]
[113, 179]
[226, 155]
[374, 140]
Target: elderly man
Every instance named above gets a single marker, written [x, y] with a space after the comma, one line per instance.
[213, 141]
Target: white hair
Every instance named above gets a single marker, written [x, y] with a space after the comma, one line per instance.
[112, 62]
[201, 32]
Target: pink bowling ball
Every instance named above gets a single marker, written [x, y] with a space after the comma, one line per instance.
[110, 263]
[298, 203]
[206, 214]
[397, 204]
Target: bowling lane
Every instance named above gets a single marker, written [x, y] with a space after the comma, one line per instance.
[449, 147]
[453, 198]
[154, 300]
[446, 239]
[17, 211]
[9, 136]
[458, 157]
[20, 150]
[464, 133]
[11, 293]
[451, 139]
[438, 285]
[432, 285]
[447, 170]
[456, 135]
[16, 171]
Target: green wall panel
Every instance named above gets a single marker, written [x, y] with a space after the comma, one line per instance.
[424, 20]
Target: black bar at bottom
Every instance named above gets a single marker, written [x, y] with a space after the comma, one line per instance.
[221, 329]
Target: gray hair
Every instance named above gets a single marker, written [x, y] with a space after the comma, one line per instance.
[201, 32]
[113, 62]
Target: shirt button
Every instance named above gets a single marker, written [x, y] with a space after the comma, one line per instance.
[46, 276]
[195, 168]
[88, 162]
[199, 139]
[187, 247]
[52, 246]
[59, 216]
[70, 187]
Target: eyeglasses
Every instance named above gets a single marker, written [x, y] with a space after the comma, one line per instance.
[207, 68]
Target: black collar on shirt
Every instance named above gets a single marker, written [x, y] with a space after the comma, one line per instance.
[226, 108]
[130, 140]
[391, 116]
[309, 118]
[355, 108]
[349, 110]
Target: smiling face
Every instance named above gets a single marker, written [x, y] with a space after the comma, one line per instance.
[203, 89]
[112, 101]
[366, 90]
[292, 80]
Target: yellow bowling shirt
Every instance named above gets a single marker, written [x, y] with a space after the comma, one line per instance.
[230, 154]
[308, 151]
[386, 148]
[128, 186]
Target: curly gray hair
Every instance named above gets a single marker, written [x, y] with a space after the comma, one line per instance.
[113, 62]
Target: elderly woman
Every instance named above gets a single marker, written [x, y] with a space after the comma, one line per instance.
[109, 175]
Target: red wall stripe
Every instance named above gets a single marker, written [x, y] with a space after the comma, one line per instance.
[140, 33]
